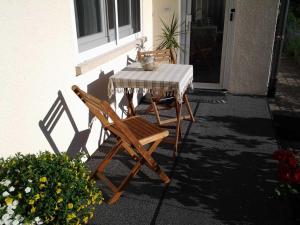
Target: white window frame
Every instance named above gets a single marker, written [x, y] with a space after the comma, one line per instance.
[117, 35]
[89, 41]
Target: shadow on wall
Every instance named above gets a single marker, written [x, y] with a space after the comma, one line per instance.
[47, 125]
[99, 89]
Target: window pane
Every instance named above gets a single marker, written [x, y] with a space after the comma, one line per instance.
[123, 12]
[88, 17]
[136, 16]
[111, 13]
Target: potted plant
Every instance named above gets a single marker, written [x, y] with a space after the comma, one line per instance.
[46, 189]
[169, 36]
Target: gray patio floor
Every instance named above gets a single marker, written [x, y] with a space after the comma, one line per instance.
[224, 173]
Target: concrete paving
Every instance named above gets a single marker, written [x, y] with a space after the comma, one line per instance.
[224, 173]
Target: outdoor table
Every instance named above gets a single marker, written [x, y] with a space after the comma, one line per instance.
[164, 78]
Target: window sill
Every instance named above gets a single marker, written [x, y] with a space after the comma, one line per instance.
[104, 58]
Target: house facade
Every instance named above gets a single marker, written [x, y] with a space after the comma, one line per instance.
[47, 46]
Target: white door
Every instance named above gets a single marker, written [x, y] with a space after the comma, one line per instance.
[207, 40]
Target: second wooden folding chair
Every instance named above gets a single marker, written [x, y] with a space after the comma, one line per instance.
[132, 135]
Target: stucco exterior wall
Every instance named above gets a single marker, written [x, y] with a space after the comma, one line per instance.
[37, 59]
[255, 26]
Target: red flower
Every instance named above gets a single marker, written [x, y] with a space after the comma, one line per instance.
[284, 172]
[296, 176]
[281, 154]
[292, 161]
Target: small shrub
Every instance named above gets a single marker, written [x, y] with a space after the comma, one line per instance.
[46, 189]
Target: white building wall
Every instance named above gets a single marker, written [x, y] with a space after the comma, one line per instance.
[255, 26]
[38, 58]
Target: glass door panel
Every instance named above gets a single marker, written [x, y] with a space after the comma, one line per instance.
[207, 28]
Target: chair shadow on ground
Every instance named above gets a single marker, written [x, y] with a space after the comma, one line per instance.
[48, 124]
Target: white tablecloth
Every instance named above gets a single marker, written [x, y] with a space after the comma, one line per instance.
[166, 77]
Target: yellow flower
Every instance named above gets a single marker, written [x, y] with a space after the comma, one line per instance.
[91, 215]
[56, 207]
[70, 206]
[71, 216]
[37, 197]
[43, 179]
[33, 209]
[58, 184]
[59, 200]
[9, 201]
[31, 202]
[85, 220]
[58, 191]
[42, 186]
[19, 195]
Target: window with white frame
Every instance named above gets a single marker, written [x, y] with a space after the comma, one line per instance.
[102, 21]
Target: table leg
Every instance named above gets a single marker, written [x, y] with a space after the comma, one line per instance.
[129, 96]
[178, 129]
[186, 100]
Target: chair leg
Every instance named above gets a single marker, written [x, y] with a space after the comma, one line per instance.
[108, 157]
[154, 106]
[178, 129]
[130, 151]
[129, 96]
[121, 187]
[118, 190]
[165, 179]
[133, 172]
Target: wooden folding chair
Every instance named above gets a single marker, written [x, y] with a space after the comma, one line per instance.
[160, 56]
[132, 135]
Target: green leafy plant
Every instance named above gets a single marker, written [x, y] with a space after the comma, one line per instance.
[46, 189]
[169, 34]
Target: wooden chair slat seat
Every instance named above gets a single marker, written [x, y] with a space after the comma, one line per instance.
[132, 134]
[147, 133]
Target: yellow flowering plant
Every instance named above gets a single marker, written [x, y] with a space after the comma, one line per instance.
[46, 189]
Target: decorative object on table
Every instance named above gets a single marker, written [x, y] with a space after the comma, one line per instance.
[148, 63]
[46, 189]
[289, 178]
[141, 46]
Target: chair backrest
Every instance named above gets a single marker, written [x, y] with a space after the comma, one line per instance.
[103, 111]
[160, 56]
